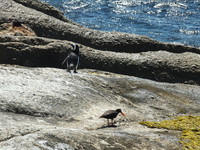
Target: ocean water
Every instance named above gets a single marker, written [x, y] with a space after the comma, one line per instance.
[174, 21]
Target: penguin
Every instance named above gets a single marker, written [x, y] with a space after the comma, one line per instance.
[72, 60]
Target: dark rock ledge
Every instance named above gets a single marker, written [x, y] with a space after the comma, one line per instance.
[140, 56]
[156, 65]
[50, 27]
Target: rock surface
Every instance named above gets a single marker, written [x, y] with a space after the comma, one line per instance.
[48, 26]
[47, 108]
[43, 107]
[45, 8]
[145, 57]
[156, 65]
[19, 30]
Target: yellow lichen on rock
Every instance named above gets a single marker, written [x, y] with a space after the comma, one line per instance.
[191, 139]
[189, 125]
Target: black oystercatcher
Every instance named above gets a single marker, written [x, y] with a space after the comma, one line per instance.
[111, 114]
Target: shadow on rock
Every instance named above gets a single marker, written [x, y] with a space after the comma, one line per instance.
[107, 126]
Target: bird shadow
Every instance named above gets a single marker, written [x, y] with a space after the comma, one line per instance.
[107, 126]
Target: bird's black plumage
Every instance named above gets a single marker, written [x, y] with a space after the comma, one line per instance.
[72, 60]
[111, 114]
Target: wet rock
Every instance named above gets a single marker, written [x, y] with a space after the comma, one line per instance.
[48, 108]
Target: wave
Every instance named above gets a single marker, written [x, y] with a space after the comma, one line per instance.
[171, 4]
[174, 21]
[189, 32]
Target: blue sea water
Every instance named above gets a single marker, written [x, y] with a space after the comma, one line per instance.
[175, 21]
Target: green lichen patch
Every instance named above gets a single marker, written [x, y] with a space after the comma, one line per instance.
[189, 125]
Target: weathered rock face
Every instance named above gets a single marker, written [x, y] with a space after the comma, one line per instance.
[45, 8]
[157, 65]
[48, 26]
[46, 108]
[19, 30]
[162, 65]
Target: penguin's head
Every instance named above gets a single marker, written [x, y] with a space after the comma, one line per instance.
[75, 48]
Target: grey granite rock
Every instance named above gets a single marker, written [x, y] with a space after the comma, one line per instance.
[47, 26]
[43, 107]
[48, 108]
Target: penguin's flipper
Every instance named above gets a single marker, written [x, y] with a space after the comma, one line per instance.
[65, 60]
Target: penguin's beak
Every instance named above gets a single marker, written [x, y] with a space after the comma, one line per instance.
[123, 114]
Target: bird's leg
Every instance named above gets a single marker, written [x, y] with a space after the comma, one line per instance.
[108, 122]
[112, 122]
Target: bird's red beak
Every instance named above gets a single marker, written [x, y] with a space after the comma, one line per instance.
[123, 114]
